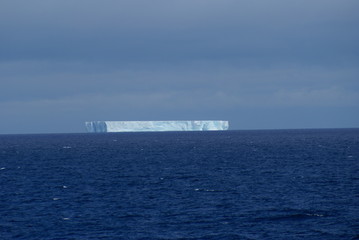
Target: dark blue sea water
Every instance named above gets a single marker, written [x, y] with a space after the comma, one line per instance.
[280, 184]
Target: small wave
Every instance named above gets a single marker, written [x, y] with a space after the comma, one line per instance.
[291, 217]
[206, 190]
[66, 147]
[315, 215]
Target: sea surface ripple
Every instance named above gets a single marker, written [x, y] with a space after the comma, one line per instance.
[273, 184]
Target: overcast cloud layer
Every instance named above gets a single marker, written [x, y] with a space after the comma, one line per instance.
[259, 64]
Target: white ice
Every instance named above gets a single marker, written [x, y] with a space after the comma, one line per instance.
[155, 126]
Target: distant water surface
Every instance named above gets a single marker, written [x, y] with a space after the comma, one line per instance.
[279, 184]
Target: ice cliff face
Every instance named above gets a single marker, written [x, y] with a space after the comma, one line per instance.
[155, 126]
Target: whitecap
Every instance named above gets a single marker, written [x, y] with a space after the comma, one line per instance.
[206, 190]
[315, 214]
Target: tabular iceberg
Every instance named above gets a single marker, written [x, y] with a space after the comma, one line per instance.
[155, 126]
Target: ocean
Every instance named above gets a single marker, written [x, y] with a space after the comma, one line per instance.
[267, 184]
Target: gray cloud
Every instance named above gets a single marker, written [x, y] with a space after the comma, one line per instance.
[164, 31]
[64, 62]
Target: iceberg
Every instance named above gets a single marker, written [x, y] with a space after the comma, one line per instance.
[155, 126]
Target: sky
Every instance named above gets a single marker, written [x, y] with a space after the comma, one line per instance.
[276, 64]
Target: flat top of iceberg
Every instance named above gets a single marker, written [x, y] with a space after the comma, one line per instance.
[147, 126]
